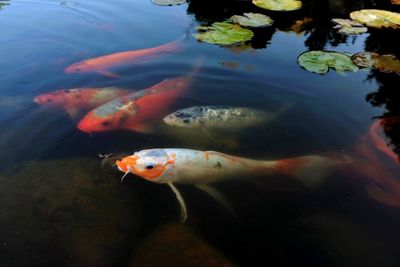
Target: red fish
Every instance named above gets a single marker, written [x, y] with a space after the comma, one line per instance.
[136, 111]
[74, 101]
[102, 64]
[384, 176]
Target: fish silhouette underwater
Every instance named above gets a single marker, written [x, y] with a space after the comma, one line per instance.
[104, 64]
[77, 100]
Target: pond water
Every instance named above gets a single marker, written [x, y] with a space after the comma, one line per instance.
[58, 206]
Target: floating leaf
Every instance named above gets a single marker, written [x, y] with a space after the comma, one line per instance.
[384, 63]
[168, 2]
[347, 26]
[252, 20]
[279, 5]
[377, 18]
[223, 33]
[321, 61]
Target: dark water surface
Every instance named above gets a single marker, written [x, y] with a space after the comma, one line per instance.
[58, 207]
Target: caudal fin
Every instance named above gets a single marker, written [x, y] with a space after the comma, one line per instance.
[310, 170]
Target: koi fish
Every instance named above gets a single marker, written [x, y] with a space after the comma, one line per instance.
[218, 117]
[136, 111]
[384, 176]
[103, 63]
[76, 100]
[201, 168]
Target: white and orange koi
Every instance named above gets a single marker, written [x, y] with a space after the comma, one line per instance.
[201, 168]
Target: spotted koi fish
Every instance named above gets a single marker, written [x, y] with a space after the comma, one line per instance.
[75, 101]
[201, 168]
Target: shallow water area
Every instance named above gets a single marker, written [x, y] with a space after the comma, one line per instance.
[60, 206]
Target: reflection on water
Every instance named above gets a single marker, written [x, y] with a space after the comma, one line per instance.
[61, 206]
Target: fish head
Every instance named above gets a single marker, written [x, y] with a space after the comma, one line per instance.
[108, 117]
[78, 67]
[363, 59]
[181, 118]
[154, 165]
[56, 98]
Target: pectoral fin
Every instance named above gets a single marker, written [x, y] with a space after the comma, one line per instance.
[181, 202]
[73, 112]
[109, 74]
[215, 194]
[142, 128]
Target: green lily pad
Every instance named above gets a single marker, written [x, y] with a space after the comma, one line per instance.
[321, 61]
[377, 18]
[252, 20]
[279, 5]
[223, 33]
[348, 27]
[168, 2]
[384, 63]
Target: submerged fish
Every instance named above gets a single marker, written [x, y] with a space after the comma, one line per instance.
[102, 64]
[76, 100]
[136, 111]
[201, 168]
[218, 117]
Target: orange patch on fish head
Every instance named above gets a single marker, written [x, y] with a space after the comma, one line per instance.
[153, 167]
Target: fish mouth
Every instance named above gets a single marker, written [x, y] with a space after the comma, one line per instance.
[81, 126]
[37, 100]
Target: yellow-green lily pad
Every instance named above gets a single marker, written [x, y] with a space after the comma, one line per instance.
[377, 18]
[384, 63]
[321, 61]
[223, 33]
[279, 5]
[252, 20]
[348, 27]
[168, 2]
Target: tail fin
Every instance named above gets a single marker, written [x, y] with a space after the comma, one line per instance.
[310, 170]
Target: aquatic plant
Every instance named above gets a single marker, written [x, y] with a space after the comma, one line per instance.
[384, 63]
[252, 20]
[377, 18]
[223, 33]
[168, 2]
[349, 27]
[279, 5]
[321, 61]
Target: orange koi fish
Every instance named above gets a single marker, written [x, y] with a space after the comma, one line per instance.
[74, 101]
[102, 64]
[136, 111]
[201, 168]
[384, 176]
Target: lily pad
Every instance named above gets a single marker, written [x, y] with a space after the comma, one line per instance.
[348, 27]
[321, 61]
[223, 33]
[168, 2]
[279, 5]
[252, 20]
[384, 63]
[377, 18]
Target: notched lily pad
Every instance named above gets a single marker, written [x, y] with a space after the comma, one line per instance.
[377, 18]
[348, 27]
[279, 5]
[384, 63]
[321, 61]
[252, 20]
[168, 2]
[223, 33]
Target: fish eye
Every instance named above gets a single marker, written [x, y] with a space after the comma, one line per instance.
[186, 120]
[105, 123]
[49, 100]
[150, 166]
